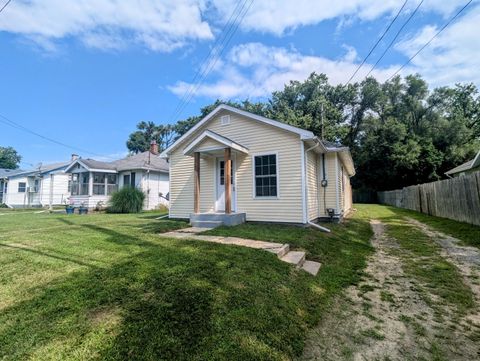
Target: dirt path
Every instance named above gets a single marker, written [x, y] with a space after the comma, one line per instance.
[388, 316]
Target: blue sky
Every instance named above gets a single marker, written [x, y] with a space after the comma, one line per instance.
[86, 72]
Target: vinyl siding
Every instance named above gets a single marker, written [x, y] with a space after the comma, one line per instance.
[328, 195]
[259, 139]
[312, 185]
[152, 185]
[207, 144]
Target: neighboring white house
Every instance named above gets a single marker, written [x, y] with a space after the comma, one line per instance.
[473, 165]
[48, 185]
[94, 181]
[278, 173]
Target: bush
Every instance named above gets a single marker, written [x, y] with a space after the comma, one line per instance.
[126, 200]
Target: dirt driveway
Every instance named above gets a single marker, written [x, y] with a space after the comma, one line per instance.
[419, 300]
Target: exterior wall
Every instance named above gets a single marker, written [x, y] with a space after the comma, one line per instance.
[328, 194]
[207, 144]
[348, 195]
[154, 183]
[259, 139]
[312, 185]
[13, 198]
[57, 191]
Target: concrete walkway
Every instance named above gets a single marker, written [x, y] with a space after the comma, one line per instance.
[282, 250]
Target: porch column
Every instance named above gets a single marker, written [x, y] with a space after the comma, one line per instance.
[228, 180]
[196, 190]
[90, 183]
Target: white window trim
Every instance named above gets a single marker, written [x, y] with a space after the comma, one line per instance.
[254, 192]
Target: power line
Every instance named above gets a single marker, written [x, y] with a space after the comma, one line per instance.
[15, 125]
[395, 38]
[431, 39]
[207, 69]
[378, 41]
[207, 59]
[6, 4]
[212, 64]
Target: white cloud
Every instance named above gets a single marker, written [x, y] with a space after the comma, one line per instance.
[451, 57]
[160, 25]
[278, 16]
[255, 70]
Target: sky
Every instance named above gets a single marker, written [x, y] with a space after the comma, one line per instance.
[85, 72]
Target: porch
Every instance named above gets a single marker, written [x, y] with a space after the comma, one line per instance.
[220, 154]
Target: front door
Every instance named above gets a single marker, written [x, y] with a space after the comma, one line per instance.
[220, 185]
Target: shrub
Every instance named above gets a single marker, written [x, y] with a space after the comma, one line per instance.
[126, 200]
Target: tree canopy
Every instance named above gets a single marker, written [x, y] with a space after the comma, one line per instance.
[9, 158]
[400, 132]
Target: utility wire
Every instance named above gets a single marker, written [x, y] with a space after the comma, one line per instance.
[15, 125]
[395, 38]
[378, 41]
[6, 4]
[212, 64]
[207, 60]
[431, 39]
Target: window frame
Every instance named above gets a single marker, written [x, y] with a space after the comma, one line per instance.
[277, 168]
[24, 187]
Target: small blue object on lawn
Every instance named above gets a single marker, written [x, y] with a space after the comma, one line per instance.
[69, 210]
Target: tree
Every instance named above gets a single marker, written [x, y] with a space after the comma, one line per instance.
[9, 158]
[139, 141]
[399, 132]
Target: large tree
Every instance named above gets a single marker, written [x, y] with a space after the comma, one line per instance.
[139, 141]
[400, 132]
[9, 158]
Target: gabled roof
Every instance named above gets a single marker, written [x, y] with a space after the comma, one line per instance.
[145, 160]
[304, 134]
[471, 164]
[216, 137]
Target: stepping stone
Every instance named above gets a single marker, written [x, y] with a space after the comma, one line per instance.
[193, 230]
[296, 258]
[311, 267]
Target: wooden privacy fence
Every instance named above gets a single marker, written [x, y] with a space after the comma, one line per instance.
[456, 198]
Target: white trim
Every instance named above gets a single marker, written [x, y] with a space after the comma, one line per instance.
[336, 185]
[216, 137]
[304, 210]
[304, 134]
[277, 166]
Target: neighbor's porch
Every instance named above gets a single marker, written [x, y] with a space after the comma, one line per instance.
[91, 188]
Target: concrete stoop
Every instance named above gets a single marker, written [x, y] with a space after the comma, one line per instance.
[282, 251]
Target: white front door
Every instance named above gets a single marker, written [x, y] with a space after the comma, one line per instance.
[220, 185]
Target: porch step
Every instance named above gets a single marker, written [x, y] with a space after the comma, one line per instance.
[282, 251]
[231, 219]
[296, 258]
[311, 267]
[206, 224]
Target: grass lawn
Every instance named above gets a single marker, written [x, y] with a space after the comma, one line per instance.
[107, 287]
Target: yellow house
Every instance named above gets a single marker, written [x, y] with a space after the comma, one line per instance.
[234, 166]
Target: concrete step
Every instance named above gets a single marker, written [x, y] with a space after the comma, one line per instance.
[283, 250]
[311, 267]
[296, 258]
[206, 224]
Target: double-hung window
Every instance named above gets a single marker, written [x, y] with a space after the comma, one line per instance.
[22, 187]
[266, 182]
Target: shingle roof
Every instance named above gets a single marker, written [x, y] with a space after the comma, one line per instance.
[42, 169]
[332, 145]
[96, 164]
[145, 160]
[472, 163]
[4, 173]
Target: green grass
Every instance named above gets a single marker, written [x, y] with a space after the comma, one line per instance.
[421, 255]
[105, 286]
[467, 233]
